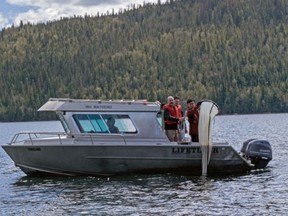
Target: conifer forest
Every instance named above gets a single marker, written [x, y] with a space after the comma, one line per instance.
[234, 52]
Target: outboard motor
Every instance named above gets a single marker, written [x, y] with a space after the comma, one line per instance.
[259, 152]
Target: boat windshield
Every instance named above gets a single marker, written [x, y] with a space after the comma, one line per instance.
[63, 122]
[160, 118]
[104, 123]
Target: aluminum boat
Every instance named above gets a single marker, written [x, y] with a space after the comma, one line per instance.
[118, 137]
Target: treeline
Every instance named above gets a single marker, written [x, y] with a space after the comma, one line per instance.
[232, 52]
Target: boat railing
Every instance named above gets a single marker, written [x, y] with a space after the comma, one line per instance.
[21, 137]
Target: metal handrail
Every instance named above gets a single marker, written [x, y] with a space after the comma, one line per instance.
[34, 135]
[93, 135]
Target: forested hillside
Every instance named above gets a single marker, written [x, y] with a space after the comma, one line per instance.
[231, 51]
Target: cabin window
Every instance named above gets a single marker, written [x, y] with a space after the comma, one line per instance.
[84, 122]
[96, 123]
[122, 122]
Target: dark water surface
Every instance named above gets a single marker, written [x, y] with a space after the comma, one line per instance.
[257, 193]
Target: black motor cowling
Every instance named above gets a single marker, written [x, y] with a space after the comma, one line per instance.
[259, 152]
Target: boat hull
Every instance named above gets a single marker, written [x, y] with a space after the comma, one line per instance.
[107, 160]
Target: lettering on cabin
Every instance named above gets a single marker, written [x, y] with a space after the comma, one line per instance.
[191, 150]
[98, 107]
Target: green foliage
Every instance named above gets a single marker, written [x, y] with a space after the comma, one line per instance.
[232, 52]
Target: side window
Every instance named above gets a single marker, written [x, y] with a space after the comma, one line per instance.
[122, 123]
[98, 123]
[105, 123]
[90, 123]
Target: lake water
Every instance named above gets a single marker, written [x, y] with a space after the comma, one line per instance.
[258, 193]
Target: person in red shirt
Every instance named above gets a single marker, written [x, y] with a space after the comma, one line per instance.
[193, 119]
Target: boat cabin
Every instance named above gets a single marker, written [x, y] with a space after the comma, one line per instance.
[137, 118]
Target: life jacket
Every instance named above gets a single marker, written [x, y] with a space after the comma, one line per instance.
[172, 111]
[178, 111]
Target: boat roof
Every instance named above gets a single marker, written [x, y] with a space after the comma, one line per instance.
[87, 105]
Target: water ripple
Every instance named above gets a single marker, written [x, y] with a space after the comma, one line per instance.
[258, 193]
